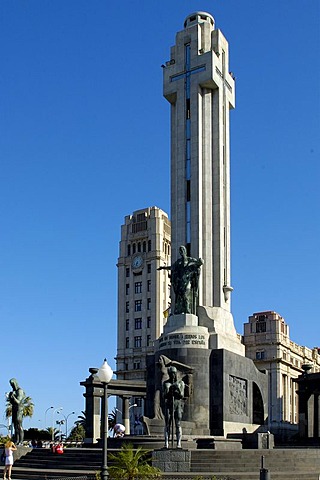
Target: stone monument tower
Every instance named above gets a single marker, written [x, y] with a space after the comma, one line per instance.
[201, 91]
[225, 392]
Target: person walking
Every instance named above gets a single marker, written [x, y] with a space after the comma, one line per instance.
[9, 448]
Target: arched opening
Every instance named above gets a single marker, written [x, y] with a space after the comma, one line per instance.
[257, 405]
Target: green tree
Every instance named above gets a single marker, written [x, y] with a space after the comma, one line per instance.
[28, 407]
[132, 464]
[77, 434]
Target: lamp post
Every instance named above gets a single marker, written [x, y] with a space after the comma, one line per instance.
[105, 374]
[66, 420]
[45, 416]
[58, 410]
[2, 425]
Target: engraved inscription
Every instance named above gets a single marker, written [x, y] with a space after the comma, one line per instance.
[183, 339]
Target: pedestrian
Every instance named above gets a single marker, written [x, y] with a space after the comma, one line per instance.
[9, 448]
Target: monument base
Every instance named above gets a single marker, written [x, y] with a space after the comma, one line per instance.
[218, 443]
[172, 460]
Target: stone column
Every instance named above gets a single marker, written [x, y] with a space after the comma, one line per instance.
[125, 414]
[92, 396]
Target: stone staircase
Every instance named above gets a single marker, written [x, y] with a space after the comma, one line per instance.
[82, 463]
[42, 464]
[282, 464]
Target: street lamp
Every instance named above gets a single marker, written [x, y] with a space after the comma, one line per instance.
[2, 425]
[105, 374]
[58, 410]
[45, 416]
[66, 420]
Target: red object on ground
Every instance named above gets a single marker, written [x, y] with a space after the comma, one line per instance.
[59, 449]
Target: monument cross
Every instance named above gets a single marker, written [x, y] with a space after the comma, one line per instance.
[200, 171]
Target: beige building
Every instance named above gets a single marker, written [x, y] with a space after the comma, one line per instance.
[143, 295]
[267, 342]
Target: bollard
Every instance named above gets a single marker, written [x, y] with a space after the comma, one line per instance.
[264, 473]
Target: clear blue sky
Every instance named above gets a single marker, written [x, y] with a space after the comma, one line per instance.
[84, 141]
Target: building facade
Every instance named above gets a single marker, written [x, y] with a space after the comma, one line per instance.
[267, 342]
[143, 295]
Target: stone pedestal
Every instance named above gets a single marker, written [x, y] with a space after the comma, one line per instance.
[172, 460]
[265, 441]
[21, 452]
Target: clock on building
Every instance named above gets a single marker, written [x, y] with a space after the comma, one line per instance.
[137, 262]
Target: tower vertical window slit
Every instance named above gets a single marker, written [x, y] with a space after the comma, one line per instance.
[188, 142]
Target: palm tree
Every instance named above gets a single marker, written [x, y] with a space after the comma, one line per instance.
[82, 420]
[28, 407]
[132, 464]
[55, 432]
[112, 419]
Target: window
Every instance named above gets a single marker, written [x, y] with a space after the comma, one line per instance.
[138, 287]
[137, 342]
[127, 289]
[148, 322]
[127, 272]
[149, 303]
[129, 250]
[137, 305]
[138, 323]
[260, 355]
[144, 247]
[149, 285]
[260, 327]
[127, 324]
[136, 365]
[149, 267]
[139, 247]
[127, 342]
[134, 248]
[149, 343]
[126, 366]
[141, 217]
[149, 245]
[127, 307]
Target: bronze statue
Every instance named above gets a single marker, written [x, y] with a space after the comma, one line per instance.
[185, 274]
[16, 398]
[173, 394]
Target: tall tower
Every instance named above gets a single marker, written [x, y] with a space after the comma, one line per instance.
[201, 91]
[142, 294]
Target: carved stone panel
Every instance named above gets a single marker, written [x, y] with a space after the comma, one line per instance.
[238, 399]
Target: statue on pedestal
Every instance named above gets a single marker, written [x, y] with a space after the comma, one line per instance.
[173, 393]
[184, 275]
[16, 397]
